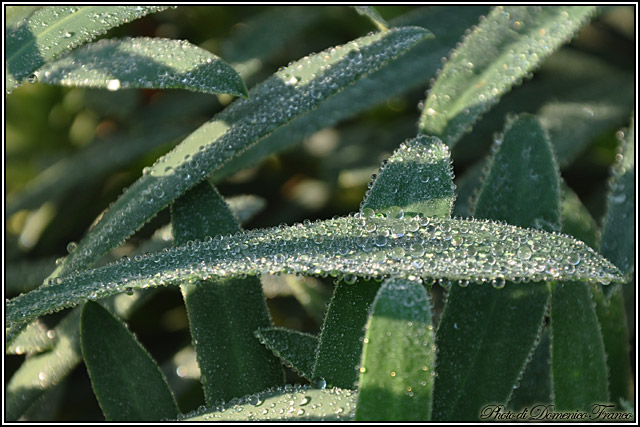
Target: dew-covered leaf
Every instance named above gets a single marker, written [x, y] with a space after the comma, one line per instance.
[53, 30]
[373, 15]
[576, 219]
[143, 62]
[40, 373]
[288, 403]
[15, 14]
[35, 338]
[223, 313]
[511, 42]
[125, 379]
[617, 243]
[295, 349]
[421, 247]
[488, 333]
[397, 370]
[297, 90]
[417, 178]
[578, 360]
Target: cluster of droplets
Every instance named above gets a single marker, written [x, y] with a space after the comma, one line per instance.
[368, 245]
[291, 402]
[143, 62]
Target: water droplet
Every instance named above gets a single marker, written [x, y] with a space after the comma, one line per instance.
[113, 84]
[319, 383]
[524, 252]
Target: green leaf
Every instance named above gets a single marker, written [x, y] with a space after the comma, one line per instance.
[54, 30]
[578, 361]
[125, 379]
[487, 335]
[144, 62]
[35, 338]
[534, 387]
[296, 349]
[398, 360]
[41, 372]
[284, 404]
[340, 343]
[409, 246]
[412, 68]
[373, 15]
[417, 178]
[612, 318]
[224, 313]
[15, 14]
[297, 90]
[576, 219]
[23, 276]
[511, 42]
[617, 243]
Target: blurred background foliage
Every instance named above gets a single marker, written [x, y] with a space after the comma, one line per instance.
[325, 175]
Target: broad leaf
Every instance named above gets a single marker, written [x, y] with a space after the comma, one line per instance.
[223, 313]
[53, 30]
[296, 349]
[144, 62]
[284, 404]
[487, 335]
[578, 361]
[370, 248]
[125, 379]
[576, 219]
[399, 355]
[297, 90]
[417, 178]
[534, 388]
[511, 42]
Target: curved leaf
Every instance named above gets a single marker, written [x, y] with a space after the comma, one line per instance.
[296, 349]
[298, 89]
[284, 404]
[53, 30]
[373, 15]
[511, 42]
[35, 338]
[427, 248]
[399, 355]
[125, 379]
[143, 62]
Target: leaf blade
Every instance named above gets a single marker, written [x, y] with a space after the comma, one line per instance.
[53, 30]
[296, 349]
[462, 92]
[144, 62]
[399, 355]
[110, 350]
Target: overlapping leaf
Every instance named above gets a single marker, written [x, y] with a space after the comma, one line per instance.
[295, 349]
[298, 89]
[50, 31]
[366, 247]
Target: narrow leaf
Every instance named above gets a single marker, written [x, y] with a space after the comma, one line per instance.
[488, 333]
[578, 365]
[53, 30]
[399, 355]
[409, 246]
[284, 404]
[144, 62]
[373, 15]
[534, 387]
[301, 88]
[125, 379]
[296, 349]
[224, 313]
[417, 178]
[511, 42]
